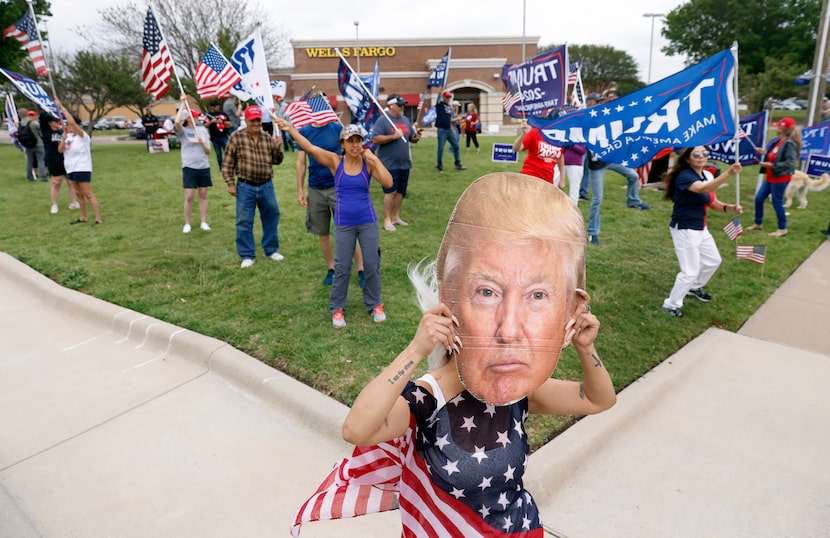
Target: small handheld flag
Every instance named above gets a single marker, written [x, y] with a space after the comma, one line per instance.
[752, 253]
[733, 228]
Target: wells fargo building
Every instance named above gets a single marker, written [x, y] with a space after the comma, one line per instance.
[405, 64]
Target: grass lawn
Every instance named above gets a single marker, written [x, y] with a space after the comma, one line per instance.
[277, 311]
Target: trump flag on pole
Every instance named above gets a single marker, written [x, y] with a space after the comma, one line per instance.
[543, 81]
[25, 31]
[690, 108]
[438, 77]
[32, 91]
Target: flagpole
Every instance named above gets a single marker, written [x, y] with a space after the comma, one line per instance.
[737, 121]
[365, 89]
[48, 70]
[172, 61]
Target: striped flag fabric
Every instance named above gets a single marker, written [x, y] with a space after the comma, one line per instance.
[156, 62]
[733, 228]
[25, 31]
[14, 120]
[215, 76]
[751, 253]
[573, 72]
[314, 110]
[512, 97]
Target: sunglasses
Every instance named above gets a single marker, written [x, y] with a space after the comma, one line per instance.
[699, 154]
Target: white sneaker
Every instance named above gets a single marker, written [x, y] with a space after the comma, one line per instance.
[54, 209]
[247, 262]
[277, 257]
[74, 205]
[204, 226]
[186, 229]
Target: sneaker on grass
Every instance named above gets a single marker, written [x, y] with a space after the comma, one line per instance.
[186, 229]
[700, 294]
[247, 262]
[378, 315]
[204, 226]
[54, 209]
[673, 311]
[277, 257]
[338, 320]
[74, 205]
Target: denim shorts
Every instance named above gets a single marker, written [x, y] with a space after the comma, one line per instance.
[79, 177]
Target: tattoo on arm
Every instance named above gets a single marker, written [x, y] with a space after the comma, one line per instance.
[581, 391]
[597, 362]
[400, 373]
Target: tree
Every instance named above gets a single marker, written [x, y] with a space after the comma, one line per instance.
[189, 27]
[12, 54]
[604, 68]
[99, 83]
[780, 29]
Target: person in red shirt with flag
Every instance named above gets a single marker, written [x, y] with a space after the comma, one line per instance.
[781, 161]
[543, 160]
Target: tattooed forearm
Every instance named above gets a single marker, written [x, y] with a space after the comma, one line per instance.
[581, 391]
[402, 372]
[597, 362]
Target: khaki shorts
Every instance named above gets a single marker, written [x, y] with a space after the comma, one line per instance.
[320, 210]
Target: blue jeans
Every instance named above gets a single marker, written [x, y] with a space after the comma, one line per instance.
[38, 154]
[632, 195]
[777, 191]
[248, 199]
[219, 145]
[450, 135]
[597, 180]
[368, 236]
[585, 186]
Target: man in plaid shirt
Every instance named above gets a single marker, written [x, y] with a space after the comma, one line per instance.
[250, 156]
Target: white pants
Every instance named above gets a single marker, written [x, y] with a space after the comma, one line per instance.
[698, 257]
[574, 174]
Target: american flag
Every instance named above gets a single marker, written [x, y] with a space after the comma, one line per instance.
[481, 494]
[314, 110]
[156, 62]
[513, 96]
[573, 72]
[215, 76]
[733, 228]
[25, 31]
[752, 253]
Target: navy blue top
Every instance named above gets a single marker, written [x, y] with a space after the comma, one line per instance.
[689, 207]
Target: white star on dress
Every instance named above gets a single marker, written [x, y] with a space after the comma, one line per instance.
[451, 467]
[486, 482]
[469, 423]
[419, 395]
[457, 493]
[507, 523]
[457, 400]
[442, 441]
[504, 439]
[479, 454]
[518, 427]
[484, 511]
[525, 523]
[503, 500]
[508, 476]
[490, 410]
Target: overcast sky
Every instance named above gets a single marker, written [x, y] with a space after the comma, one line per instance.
[618, 24]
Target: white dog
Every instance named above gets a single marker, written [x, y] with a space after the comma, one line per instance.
[800, 184]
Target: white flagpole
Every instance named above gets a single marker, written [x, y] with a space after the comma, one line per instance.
[365, 89]
[48, 69]
[737, 117]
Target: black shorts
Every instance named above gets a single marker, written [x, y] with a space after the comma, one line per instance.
[56, 168]
[193, 178]
[400, 181]
[79, 177]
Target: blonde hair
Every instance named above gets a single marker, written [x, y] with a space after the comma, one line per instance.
[503, 206]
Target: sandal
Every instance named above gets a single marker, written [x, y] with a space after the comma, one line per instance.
[778, 233]
[756, 227]
[401, 223]
[78, 221]
[389, 228]
[98, 222]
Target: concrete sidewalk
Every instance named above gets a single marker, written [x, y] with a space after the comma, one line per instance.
[117, 424]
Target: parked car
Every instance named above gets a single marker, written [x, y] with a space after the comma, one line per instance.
[789, 104]
[116, 122]
[101, 125]
[136, 130]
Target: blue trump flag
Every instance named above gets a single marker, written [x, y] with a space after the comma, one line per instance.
[753, 135]
[691, 108]
[360, 102]
[32, 91]
[815, 140]
[438, 77]
[542, 81]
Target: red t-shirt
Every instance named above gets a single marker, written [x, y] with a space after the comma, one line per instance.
[771, 156]
[541, 157]
[470, 121]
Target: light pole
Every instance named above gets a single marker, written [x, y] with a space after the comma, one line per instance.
[357, 40]
[651, 46]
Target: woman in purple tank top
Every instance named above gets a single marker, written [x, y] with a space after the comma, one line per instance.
[354, 216]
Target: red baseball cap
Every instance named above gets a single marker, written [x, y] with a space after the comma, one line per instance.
[253, 112]
[786, 123]
[31, 113]
[447, 94]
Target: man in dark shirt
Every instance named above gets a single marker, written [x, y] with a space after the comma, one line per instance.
[250, 155]
[151, 125]
[218, 126]
[446, 131]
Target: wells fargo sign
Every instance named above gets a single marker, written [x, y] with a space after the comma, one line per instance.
[365, 52]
